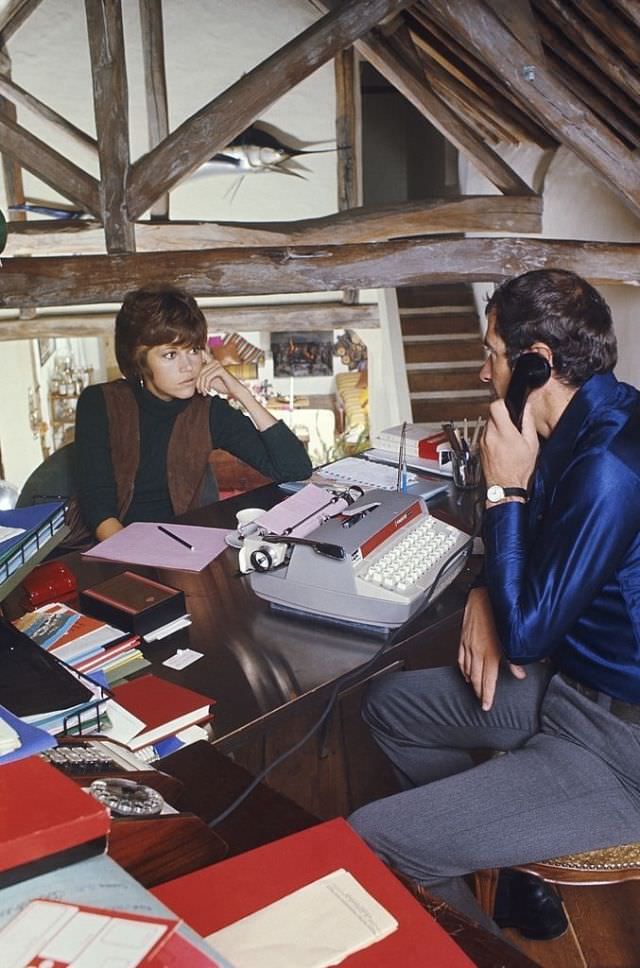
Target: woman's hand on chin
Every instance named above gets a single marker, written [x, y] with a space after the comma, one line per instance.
[213, 376]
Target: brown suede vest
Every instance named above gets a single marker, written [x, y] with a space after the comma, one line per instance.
[187, 456]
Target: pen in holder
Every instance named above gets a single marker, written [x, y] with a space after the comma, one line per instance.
[467, 469]
[465, 455]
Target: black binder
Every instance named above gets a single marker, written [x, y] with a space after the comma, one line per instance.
[32, 680]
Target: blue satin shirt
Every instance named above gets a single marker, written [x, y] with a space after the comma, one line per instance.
[563, 570]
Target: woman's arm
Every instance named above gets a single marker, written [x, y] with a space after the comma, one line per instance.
[263, 442]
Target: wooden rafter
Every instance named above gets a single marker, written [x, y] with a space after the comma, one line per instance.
[631, 8]
[593, 96]
[564, 115]
[467, 213]
[614, 27]
[454, 129]
[605, 57]
[304, 317]
[11, 170]
[606, 90]
[518, 17]
[213, 127]
[14, 15]
[440, 60]
[155, 85]
[50, 166]
[110, 100]
[348, 130]
[59, 281]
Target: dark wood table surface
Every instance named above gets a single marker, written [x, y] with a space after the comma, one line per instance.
[256, 662]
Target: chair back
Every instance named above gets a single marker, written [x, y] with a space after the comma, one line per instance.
[53, 479]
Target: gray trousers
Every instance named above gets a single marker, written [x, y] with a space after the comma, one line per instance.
[569, 779]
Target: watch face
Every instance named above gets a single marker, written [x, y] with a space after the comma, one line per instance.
[495, 493]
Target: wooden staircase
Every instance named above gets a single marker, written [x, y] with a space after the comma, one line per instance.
[443, 353]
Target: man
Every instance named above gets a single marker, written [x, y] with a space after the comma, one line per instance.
[549, 658]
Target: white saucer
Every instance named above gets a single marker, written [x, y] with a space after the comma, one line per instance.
[233, 539]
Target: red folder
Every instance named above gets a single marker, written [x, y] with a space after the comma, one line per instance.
[43, 814]
[212, 898]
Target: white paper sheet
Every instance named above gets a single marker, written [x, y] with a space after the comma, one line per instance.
[314, 927]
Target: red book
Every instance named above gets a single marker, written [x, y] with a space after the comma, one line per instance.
[219, 895]
[164, 707]
[43, 815]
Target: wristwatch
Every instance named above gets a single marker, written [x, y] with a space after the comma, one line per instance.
[497, 493]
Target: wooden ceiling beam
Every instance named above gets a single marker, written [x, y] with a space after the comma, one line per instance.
[111, 107]
[631, 8]
[214, 126]
[564, 115]
[11, 170]
[69, 280]
[434, 109]
[155, 85]
[14, 15]
[438, 64]
[263, 318]
[621, 108]
[518, 17]
[604, 56]
[50, 166]
[594, 97]
[456, 214]
[474, 69]
[614, 27]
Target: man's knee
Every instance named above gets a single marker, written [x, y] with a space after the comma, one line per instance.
[379, 697]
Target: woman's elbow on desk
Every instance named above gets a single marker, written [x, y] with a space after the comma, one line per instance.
[108, 527]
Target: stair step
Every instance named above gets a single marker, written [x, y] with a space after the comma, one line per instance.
[444, 350]
[454, 293]
[450, 379]
[440, 324]
[437, 411]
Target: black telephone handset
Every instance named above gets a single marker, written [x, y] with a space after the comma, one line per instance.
[530, 371]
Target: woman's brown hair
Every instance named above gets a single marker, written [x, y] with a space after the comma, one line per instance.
[154, 316]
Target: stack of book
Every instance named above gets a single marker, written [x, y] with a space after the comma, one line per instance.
[88, 644]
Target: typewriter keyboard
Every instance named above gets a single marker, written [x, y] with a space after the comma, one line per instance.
[409, 566]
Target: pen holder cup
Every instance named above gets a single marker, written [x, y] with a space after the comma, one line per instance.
[467, 469]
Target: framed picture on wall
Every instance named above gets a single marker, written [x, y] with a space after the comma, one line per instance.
[46, 348]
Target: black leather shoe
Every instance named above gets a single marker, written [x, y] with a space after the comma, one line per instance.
[529, 905]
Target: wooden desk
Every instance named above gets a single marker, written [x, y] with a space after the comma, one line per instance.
[259, 665]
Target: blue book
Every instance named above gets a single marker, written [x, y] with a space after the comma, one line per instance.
[39, 522]
[32, 739]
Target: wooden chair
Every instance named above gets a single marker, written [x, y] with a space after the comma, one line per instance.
[607, 865]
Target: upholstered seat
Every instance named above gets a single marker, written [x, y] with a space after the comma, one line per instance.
[607, 865]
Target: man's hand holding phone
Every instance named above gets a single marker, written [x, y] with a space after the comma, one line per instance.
[508, 456]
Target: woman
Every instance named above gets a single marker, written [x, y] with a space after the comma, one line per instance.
[142, 444]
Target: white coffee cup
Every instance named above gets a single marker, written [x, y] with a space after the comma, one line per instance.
[246, 519]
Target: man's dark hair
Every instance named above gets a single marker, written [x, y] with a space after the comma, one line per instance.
[152, 317]
[561, 309]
